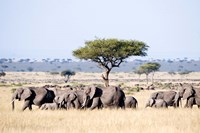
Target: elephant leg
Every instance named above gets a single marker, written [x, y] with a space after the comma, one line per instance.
[68, 105]
[30, 107]
[95, 103]
[26, 104]
[186, 104]
[77, 104]
[190, 102]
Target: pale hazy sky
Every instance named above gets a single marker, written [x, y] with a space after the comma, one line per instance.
[54, 28]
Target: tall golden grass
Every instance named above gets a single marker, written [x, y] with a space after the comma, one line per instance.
[141, 120]
[97, 121]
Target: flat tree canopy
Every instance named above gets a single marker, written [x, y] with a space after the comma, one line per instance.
[109, 53]
[147, 68]
[67, 74]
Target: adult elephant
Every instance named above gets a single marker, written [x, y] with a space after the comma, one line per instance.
[33, 96]
[111, 97]
[191, 94]
[172, 98]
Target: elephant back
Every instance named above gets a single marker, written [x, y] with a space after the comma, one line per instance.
[38, 94]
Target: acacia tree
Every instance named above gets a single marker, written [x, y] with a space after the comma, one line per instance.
[148, 68]
[139, 72]
[110, 53]
[67, 74]
[2, 74]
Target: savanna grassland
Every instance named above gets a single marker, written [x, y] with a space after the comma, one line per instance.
[141, 120]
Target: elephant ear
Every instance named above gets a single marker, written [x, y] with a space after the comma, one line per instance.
[71, 97]
[151, 102]
[188, 92]
[154, 95]
[25, 94]
[90, 91]
[177, 96]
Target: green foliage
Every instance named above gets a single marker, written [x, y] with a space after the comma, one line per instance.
[185, 72]
[30, 69]
[149, 67]
[138, 71]
[110, 51]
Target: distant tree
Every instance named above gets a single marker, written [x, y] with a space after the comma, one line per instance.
[110, 53]
[10, 60]
[139, 72]
[171, 73]
[148, 68]
[30, 69]
[2, 74]
[4, 67]
[67, 74]
[54, 73]
[184, 73]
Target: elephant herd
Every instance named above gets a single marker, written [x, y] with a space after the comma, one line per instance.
[92, 97]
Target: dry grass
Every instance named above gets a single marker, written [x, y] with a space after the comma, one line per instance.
[140, 120]
[105, 121]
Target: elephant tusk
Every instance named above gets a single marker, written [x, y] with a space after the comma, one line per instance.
[82, 106]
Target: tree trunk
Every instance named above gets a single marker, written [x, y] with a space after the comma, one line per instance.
[152, 78]
[147, 79]
[67, 79]
[105, 78]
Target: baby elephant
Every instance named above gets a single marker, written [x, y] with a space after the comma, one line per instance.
[157, 103]
[49, 106]
[130, 102]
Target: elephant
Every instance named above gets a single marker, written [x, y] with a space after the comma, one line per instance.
[131, 102]
[33, 96]
[172, 98]
[191, 94]
[49, 106]
[67, 100]
[190, 102]
[157, 103]
[74, 98]
[105, 97]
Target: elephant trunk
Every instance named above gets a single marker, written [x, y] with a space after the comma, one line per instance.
[177, 100]
[13, 104]
[85, 102]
